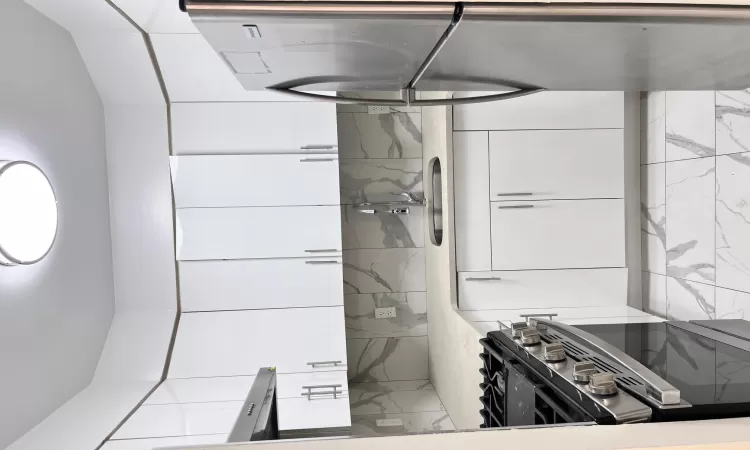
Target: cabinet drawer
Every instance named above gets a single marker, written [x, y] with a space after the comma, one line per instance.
[254, 127]
[568, 164]
[293, 385]
[564, 234]
[562, 314]
[240, 233]
[255, 180]
[301, 414]
[231, 343]
[261, 283]
[542, 288]
[545, 111]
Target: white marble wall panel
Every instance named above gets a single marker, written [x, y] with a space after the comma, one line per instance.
[690, 219]
[399, 424]
[387, 359]
[382, 136]
[380, 95]
[732, 122]
[732, 304]
[653, 128]
[687, 300]
[391, 386]
[655, 292]
[374, 181]
[654, 218]
[371, 231]
[364, 403]
[690, 124]
[733, 221]
[386, 270]
[410, 320]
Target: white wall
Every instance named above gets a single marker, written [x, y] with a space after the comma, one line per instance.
[55, 315]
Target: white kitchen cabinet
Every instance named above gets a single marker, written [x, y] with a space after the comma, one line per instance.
[567, 164]
[303, 414]
[262, 232]
[544, 111]
[561, 314]
[561, 234]
[261, 283]
[223, 389]
[186, 419]
[542, 288]
[230, 343]
[472, 200]
[255, 180]
[254, 127]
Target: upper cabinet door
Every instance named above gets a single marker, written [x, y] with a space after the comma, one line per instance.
[604, 47]
[558, 165]
[255, 180]
[544, 111]
[257, 127]
[244, 233]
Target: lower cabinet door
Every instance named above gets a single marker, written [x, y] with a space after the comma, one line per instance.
[317, 384]
[560, 234]
[323, 412]
[231, 343]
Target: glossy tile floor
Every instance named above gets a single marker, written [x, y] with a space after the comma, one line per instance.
[396, 407]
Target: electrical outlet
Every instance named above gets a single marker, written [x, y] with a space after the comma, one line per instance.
[389, 422]
[378, 110]
[383, 313]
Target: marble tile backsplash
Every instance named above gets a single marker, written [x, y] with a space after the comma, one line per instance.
[695, 204]
[380, 157]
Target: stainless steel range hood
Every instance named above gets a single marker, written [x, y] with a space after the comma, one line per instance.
[510, 47]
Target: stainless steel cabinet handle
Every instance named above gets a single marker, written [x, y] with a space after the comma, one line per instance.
[310, 393]
[323, 262]
[324, 363]
[322, 250]
[515, 207]
[484, 279]
[318, 147]
[515, 194]
[318, 159]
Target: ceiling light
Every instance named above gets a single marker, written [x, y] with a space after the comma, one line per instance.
[28, 213]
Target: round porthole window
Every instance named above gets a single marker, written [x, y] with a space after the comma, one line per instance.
[28, 213]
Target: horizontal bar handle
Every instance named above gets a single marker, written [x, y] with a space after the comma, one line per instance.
[323, 262]
[318, 147]
[318, 159]
[324, 363]
[323, 250]
[484, 279]
[322, 386]
[515, 194]
[515, 207]
[310, 395]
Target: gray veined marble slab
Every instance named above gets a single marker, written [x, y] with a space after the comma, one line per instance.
[410, 320]
[732, 122]
[654, 142]
[391, 386]
[655, 294]
[387, 359]
[385, 270]
[733, 221]
[656, 105]
[424, 422]
[732, 304]
[688, 300]
[370, 231]
[690, 208]
[364, 403]
[383, 136]
[654, 218]
[690, 124]
[362, 180]
[382, 95]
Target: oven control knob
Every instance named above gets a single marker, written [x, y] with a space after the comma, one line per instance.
[529, 337]
[516, 328]
[554, 352]
[583, 370]
[603, 384]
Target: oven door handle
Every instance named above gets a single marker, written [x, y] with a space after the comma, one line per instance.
[656, 387]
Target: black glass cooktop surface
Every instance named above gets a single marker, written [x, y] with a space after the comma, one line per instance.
[708, 361]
